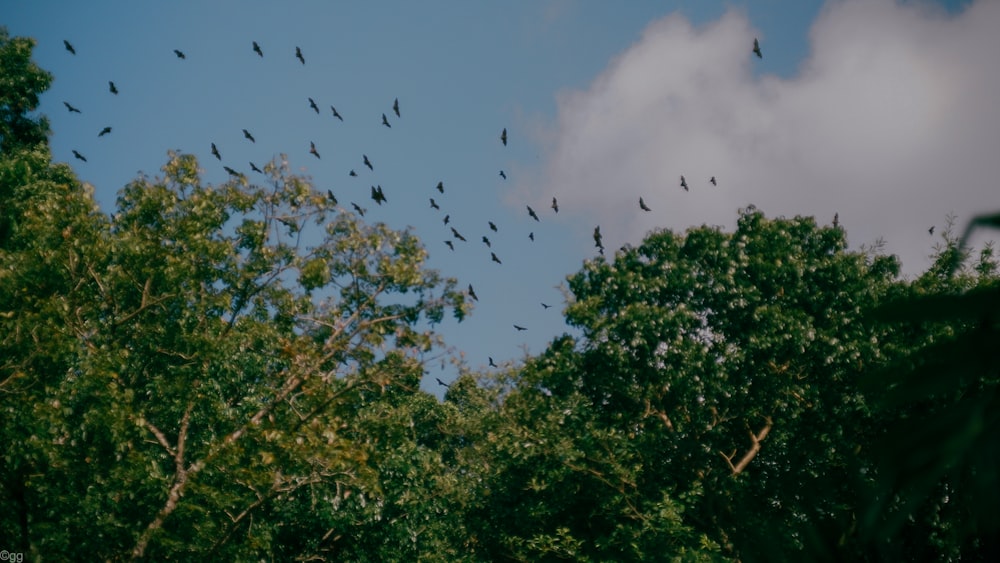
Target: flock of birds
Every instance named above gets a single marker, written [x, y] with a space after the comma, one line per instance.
[377, 193]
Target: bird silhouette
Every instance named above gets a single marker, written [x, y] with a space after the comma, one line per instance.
[81, 157]
[642, 205]
[249, 136]
[440, 187]
[104, 132]
[180, 55]
[493, 257]
[368, 163]
[298, 55]
[69, 47]
[598, 239]
[312, 149]
[352, 173]
[441, 383]
[490, 358]
[335, 114]
[493, 226]
[684, 183]
[532, 213]
[487, 241]
[215, 152]
[331, 197]
[712, 180]
[255, 169]
[450, 244]
[472, 293]
[378, 196]
[312, 104]
[503, 137]
[756, 49]
[446, 219]
[112, 88]
[836, 220]
[457, 234]
[555, 205]
[503, 175]
[395, 106]
[930, 231]
[545, 305]
[385, 121]
[230, 171]
[520, 328]
[71, 108]
[434, 204]
[531, 236]
[256, 49]
[358, 208]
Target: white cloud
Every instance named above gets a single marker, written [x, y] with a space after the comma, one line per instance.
[892, 121]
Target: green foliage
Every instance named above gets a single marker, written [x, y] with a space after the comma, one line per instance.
[21, 82]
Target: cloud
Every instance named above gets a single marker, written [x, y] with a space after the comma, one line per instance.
[891, 121]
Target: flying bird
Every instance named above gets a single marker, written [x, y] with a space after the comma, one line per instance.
[331, 197]
[81, 157]
[180, 55]
[249, 136]
[457, 235]
[598, 239]
[378, 196]
[358, 208]
[111, 86]
[230, 171]
[756, 49]
[434, 204]
[493, 226]
[531, 236]
[493, 257]
[440, 187]
[352, 173]
[684, 183]
[712, 180]
[520, 328]
[69, 47]
[104, 132]
[71, 108]
[446, 219]
[472, 293]
[256, 49]
[487, 241]
[335, 114]
[545, 305]
[503, 137]
[555, 205]
[395, 106]
[642, 205]
[441, 383]
[298, 55]
[490, 358]
[930, 231]
[450, 244]
[255, 169]
[368, 163]
[532, 213]
[503, 175]
[215, 152]
[312, 104]
[385, 121]
[312, 149]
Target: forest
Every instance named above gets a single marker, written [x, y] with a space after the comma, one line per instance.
[184, 377]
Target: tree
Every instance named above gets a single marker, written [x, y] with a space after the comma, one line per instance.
[21, 82]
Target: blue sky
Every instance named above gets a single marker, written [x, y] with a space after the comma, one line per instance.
[881, 111]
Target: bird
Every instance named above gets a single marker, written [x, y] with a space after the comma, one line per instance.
[684, 183]
[368, 163]
[69, 47]
[112, 88]
[378, 196]
[255, 169]
[531, 236]
[545, 305]
[836, 220]
[440, 187]
[487, 241]
[358, 208]
[215, 152]
[930, 231]
[472, 293]
[712, 180]
[179, 53]
[450, 244]
[249, 136]
[457, 235]
[555, 205]
[395, 106]
[503, 175]
[490, 358]
[493, 257]
[298, 55]
[642, 205]
[104, 132]
[493, 226]
[446, 219]
[598, 239]
[385, 121]
[532, 213]
[441, 383]
[312, 104]
[434, 204]
[352, 173]
[503, 137]
[81, 157]
[331, 197]
[520, 328]
[312, 149]
[230, 171]
[335, 114]
[71, 108]
[756, 49]
[256, 49]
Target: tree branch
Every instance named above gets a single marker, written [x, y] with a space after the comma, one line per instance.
[755, 440]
